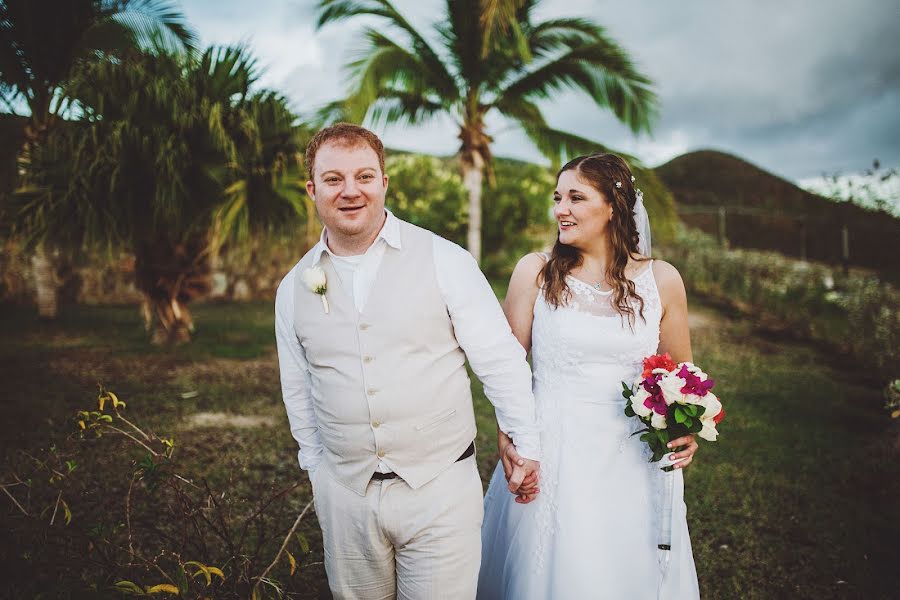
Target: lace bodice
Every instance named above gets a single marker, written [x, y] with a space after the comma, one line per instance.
[578, 347]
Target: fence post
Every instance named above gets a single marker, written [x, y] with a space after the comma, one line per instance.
[845, 248]
[803, 239]
[723, 233]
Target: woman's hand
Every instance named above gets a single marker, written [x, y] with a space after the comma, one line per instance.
[686, 454]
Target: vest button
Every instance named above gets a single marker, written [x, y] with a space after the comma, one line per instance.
[376, 424]
[381, 454]
[368, 359]
[364, 326]
[371, 391]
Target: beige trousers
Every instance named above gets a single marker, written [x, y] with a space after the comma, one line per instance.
[397, 542]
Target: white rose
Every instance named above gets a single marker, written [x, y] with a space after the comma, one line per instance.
[712, 405]
[637, 402]
[314, 279]
[658, 421]
[693, 399]
[671, 386]
[709, 431]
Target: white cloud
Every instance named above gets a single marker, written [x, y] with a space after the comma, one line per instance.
[796, 87]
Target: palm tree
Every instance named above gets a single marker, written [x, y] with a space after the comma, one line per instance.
[175, 155]
[474, 70]
[44, 46]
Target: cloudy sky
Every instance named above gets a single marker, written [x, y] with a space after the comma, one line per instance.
[799, 87]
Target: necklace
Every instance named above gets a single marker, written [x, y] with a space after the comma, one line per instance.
[597, 285]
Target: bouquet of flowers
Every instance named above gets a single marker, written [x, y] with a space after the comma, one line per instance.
[672, 400]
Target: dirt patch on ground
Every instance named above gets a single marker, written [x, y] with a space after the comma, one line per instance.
[700, 320]
[220, 419]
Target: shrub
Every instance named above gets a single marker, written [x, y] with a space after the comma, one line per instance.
[428, 192]
[857, 313]
[112, 508]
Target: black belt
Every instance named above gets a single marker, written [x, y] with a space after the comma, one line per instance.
[382, 476]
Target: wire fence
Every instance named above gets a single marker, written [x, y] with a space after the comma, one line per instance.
[873, 244]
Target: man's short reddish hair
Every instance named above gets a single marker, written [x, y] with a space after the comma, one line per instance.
[346, 134]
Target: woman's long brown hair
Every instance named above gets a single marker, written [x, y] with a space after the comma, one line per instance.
[601, 171]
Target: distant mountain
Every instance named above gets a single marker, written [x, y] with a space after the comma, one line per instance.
[765, 211]
[712, 178]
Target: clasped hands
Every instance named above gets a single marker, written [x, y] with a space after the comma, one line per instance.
[523, 475]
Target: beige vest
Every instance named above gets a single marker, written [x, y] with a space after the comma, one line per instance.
[389, 383]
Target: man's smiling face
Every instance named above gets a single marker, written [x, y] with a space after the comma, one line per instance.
[349, 188]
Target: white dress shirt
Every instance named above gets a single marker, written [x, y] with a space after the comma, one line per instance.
[481, 329]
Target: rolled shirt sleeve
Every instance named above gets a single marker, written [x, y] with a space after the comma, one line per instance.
[496, 356]
[295, 380]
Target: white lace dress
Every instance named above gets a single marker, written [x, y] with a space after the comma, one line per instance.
[593, 531]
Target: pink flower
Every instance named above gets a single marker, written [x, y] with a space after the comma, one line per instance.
[656, 401]
[693, 384]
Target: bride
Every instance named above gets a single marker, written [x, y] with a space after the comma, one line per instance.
[590, 312]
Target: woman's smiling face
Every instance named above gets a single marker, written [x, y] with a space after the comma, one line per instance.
[582, 212]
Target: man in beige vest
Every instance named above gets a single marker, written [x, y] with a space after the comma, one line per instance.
[374, 325]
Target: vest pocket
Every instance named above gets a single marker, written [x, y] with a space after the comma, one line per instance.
[436, 421]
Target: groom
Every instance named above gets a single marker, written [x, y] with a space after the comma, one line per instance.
[375, 385]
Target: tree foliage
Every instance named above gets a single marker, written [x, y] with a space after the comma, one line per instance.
[473, 71]
[176, 155]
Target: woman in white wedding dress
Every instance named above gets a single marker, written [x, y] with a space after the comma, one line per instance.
[590, 312]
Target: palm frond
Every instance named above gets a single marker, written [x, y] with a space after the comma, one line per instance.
[500, 17]
[226, 71]
[13, 63]
[601, 69]
[394, 106]
[148, 18]
[555, 35]
[106, 38]
[559, 146]
[384, 68]
[336, 10]
[333, 112]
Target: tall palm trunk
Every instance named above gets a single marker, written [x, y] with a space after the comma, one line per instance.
[46, 283]
[473, 177]
[45, 262]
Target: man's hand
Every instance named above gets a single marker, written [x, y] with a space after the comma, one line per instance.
[686, 454]
[522, 474]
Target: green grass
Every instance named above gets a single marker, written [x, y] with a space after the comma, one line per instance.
[796, 500]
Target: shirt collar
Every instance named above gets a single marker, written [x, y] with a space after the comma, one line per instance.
[390, 233]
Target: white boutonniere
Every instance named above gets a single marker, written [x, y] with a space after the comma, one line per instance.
[317, 283]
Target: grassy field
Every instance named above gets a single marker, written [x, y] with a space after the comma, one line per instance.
[797, 500]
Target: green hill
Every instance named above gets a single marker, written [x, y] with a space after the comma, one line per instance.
[767, 212]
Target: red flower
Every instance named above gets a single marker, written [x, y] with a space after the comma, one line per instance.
[718, 418]
[657, 362]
